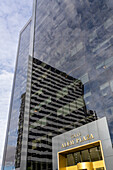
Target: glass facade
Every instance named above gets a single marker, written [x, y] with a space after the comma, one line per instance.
[57, 106]
[18, 102]
[76, 37]
[70, 78]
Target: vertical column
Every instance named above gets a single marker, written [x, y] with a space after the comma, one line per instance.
[23, 165]
[32, 35]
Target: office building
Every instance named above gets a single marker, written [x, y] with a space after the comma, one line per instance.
[72, 38]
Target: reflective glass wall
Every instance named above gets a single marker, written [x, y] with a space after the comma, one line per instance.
[76, 37]
[13, 146]
[57, 106]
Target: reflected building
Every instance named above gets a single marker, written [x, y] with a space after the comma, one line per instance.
[56, 106]
[66, 49]
[19, 88]
[20, 132]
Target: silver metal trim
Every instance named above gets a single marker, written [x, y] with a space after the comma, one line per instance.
[32, 34]
[21, 31]
[23, 163]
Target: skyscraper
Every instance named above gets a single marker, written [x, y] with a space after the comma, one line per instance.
[56, 106]
[72, 38]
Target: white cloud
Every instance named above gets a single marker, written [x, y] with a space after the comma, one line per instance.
[5, 91]
[13, 16]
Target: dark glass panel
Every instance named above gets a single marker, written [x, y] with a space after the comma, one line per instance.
[95, 154]
[85, 156]
[57, 105]
[70, 160]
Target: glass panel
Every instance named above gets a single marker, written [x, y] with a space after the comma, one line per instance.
[95, 154]
[85, 156]
[84, 78]
[70, 160]
[77, 157]
[111, 85]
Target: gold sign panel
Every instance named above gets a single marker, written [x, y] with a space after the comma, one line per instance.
[64, 157]
[87, 166]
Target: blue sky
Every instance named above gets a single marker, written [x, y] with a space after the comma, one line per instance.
[13, 16]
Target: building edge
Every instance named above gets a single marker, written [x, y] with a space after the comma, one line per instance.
[32, 32]
[23, 163]
[11, 98]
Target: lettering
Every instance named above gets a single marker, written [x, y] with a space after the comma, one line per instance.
[76, 135]
[69, 143]
[92, 137]
[79, 139]
[88, 137]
